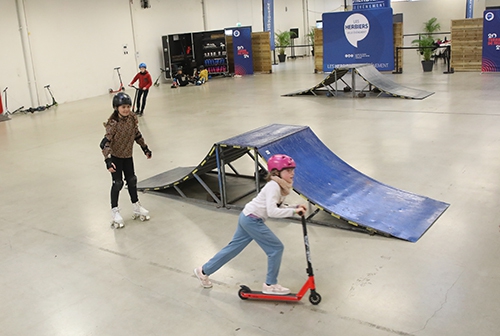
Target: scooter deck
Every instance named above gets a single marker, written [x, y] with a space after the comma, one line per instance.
[258, 295]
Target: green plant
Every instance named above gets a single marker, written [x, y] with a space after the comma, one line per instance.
[425, 44]
[310, 37]
[283, 39]
[431, 26]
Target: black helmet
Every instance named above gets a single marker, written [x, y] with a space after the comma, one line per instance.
[121, 98]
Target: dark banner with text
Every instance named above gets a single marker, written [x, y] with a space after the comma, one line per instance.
[491, 41]
[242, 47]
[358, 37]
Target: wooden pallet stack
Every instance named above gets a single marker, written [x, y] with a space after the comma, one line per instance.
[466, 44]
[398, 42]
[318, 50]
[261, 50]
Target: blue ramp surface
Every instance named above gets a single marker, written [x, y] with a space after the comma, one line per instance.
[337, 188]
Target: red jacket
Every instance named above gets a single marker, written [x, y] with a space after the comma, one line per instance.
[144, 78]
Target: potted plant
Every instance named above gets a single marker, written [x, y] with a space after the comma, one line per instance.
[283, 39]
[425, 42]
[310, 37]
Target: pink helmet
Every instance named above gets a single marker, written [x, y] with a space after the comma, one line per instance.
[280, 162]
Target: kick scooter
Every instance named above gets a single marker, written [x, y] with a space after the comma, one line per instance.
[157, 81]
[135, 99]
[121, 88]
[7, 112]
[246, 293]
[54, 103]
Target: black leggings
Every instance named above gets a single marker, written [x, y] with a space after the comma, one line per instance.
[124, 167]
[144, 95]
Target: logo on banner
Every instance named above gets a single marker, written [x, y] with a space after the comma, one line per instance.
[489, 16]
[356, 28]
[236, 33]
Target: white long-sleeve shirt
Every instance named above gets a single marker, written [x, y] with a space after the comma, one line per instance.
[265, 204]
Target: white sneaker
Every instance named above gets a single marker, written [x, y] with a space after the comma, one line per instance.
[275, 289]
[140, 212]
[116, 218]
[205, 281]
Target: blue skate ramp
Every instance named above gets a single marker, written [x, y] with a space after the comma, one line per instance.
[337, 188]
[322, 178]
[370, 75]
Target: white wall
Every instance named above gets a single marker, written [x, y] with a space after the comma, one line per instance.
[76, 44]
[161, 19]
[415, 13]
[491, 3]
[223, 14]
[12, 67]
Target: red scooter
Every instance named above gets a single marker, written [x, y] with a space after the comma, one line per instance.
[246, 293]
[121, 88]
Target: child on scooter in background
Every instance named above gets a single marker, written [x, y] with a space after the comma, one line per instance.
[251, 226]
[145, 83]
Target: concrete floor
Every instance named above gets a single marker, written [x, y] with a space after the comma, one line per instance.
[65, 272]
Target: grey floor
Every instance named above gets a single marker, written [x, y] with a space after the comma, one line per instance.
[63, 271]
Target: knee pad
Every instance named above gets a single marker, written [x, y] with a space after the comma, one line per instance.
[132, 182]
[117, 185]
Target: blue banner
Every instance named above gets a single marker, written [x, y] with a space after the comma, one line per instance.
[268, 16]
[491, 41]
[358, 37]
[469, 9]
[242, 47]
[370, 4]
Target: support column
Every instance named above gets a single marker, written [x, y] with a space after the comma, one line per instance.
[204, 14]
[305, 10]
[28, 57]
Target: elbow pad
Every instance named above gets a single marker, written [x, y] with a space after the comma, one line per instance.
[103, 143]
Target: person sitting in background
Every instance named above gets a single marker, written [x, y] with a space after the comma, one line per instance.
[180, 79]
[202, 76]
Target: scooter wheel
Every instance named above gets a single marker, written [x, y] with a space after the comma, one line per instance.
[315, 298]
[243, 289]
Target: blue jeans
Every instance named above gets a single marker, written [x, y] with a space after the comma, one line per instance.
[249, 229]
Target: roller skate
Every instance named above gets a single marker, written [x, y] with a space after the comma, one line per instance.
[116, 219]
[140, 212]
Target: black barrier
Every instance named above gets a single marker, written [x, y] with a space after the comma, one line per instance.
[450, 70]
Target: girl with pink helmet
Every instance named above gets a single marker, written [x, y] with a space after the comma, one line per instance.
[268, 203]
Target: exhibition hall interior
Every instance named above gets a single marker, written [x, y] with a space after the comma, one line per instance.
[386, 108]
